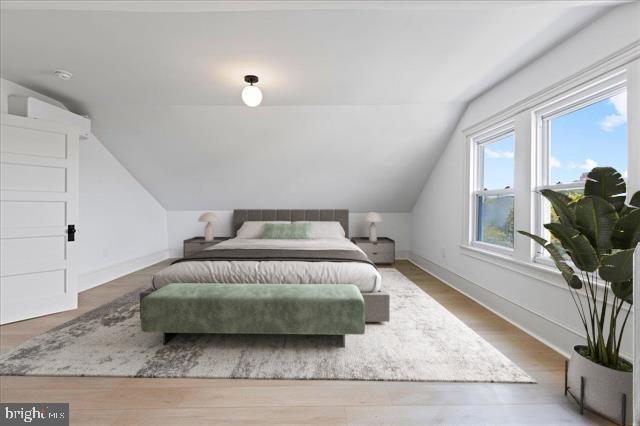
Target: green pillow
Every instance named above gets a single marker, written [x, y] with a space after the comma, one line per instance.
[287, 231]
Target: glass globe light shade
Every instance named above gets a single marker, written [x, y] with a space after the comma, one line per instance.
[251, 96]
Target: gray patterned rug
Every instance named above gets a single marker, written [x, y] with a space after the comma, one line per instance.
[422, 342]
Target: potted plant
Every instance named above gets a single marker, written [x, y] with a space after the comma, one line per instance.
[592, 244]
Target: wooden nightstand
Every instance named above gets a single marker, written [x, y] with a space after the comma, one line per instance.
[195, 244]
[381, 252]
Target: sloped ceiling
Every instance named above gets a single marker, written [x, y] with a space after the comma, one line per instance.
[359, 97]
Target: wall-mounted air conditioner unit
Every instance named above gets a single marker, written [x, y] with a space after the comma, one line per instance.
[29, 107]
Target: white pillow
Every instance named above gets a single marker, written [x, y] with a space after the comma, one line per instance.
[323, 229]
[254, 229]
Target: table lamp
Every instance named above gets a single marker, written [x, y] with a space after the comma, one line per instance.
[373, 218]
[208, 217]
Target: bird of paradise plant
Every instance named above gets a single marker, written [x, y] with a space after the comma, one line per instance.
[594, 241]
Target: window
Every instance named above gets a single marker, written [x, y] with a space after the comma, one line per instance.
[577, 134]
[561, 133]
[493, 195]
[595, 134]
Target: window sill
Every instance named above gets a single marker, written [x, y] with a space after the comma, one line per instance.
[492, 248]
[538, 271]
[547, 274]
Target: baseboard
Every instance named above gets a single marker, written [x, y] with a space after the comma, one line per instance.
[557, 336]
[95, 278]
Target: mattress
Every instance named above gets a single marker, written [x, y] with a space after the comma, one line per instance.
[365, 276]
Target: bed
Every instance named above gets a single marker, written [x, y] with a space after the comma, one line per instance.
[284, 261]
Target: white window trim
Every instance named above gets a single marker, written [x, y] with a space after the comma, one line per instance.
[523, 259]
[604, 88]
[476, 142]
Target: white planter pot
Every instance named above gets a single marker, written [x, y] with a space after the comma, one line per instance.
[603, 387]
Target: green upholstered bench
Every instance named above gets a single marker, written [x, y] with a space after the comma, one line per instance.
[318, 309]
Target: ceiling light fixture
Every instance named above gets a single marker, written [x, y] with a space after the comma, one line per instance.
[63, 75]
[251, 95]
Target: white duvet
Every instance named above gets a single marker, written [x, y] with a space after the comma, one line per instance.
[363, 275]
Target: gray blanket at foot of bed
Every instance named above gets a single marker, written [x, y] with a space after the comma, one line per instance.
[278, 255]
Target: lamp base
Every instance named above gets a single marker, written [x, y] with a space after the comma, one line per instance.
[208, 232]
[373, 236]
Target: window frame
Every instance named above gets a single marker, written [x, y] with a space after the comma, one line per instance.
[477, 142]
[625, 63]
[557, 106]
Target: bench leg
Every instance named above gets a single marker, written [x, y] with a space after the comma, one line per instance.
[167, 337]
[341, 341]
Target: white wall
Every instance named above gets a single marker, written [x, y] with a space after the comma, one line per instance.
[538, 306]
[184, 224]
[122, 228]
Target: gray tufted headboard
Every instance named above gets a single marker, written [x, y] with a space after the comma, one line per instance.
[337, 215]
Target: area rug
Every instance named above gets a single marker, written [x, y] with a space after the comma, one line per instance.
[422, 342]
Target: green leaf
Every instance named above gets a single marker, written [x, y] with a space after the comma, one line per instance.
[561, 204]
[595, 218]
[626, 233]
[534, 237]
[635, 200]
[623, 290]
[557, 252]
[617, 267]
[569, 275]
[557, 255]
[625, 210]
[606, 183]
[577, 246]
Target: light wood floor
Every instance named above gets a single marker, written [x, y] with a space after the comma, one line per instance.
[125, 401]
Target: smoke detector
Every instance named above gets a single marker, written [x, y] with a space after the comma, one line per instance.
[63, 75]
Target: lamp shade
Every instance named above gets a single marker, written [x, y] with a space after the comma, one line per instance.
[251, 96]
[373, 217]
[207, 217]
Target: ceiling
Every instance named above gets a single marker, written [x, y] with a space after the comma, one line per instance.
[359, 97]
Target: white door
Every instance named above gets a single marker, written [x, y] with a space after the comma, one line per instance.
[39, 202]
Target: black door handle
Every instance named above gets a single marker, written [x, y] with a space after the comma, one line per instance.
[71, 233]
